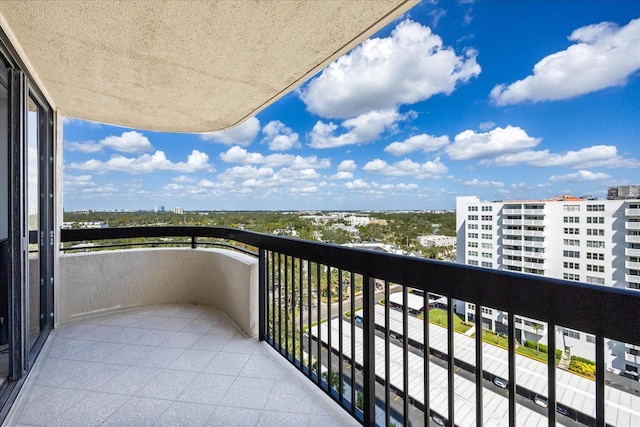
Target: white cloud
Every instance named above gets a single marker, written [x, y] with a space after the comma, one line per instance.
[475, 183]
[471, 145]
[603, 55]
[358, 184]
[581, 175]
[183, 179]
[128, 142]
[360, 130]
[242, 156]
[83, 147]
[347, 166]
[245, 172]
[486, 125]
[406, 167]
[401, 187]
[409, 66]
[72, 182]
[423, 142]
[594, 156]
[280, 137]
[343, 175]
[243, 134]
[147, 163]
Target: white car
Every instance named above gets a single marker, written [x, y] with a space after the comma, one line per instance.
[541, 401]
[501, 382]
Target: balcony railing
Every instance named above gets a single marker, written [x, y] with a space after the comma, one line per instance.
[327, 310]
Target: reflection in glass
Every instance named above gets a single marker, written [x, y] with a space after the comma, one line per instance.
[34, 293]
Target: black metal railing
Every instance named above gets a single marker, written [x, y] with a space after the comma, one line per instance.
[318, 306]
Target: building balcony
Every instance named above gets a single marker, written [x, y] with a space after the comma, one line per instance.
[536, 265]
[206, 334]
[631, 358]
[632, 212]
[512, 252]
[631, 252]
[511, 232]
[632, 265]
[512, 221]
[632, 278]
[533, 211]
[530, 244]
[512, 211]
[632, 225]
[512, 262]
[533, 233]
[631, 238]
[538, 222]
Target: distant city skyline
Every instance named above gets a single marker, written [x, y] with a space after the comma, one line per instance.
[442, 103]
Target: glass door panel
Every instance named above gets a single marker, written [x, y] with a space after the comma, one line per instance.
[33, 202]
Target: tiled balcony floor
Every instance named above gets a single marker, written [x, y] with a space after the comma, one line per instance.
[166, 365]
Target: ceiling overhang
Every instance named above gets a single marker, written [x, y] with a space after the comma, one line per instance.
[183, 66]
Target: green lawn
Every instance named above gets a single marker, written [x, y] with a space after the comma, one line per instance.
[438, 316]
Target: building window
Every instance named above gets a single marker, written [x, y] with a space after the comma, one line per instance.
[596, 268]
[487, 227]
[571, 254]
[473, 226]
[473, 217]
[487, 236]
[595, 208]
[486, 255]
[595, 232]
[595, 220]
[571, 242]
[471, 306]
[593, 255]
[472, 235]
[487, 208]
[591, 339]
[569, 276]
[473, 253]
[571, 208]
[487, 264]
[572, 265]
[571, 220]
[487, 217]
[633, 286]
[595, 280]
[487, 246]
[473, 209]
[473, 244]
[571, 230]
[595, 244]
[473, 262]
[487, 311]
[571, 334]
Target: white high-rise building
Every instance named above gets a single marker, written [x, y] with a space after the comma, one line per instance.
[571, 238]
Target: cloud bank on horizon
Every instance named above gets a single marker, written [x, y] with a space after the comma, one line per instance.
[407, 120]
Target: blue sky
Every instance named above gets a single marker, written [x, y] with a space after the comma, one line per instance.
[500, 99]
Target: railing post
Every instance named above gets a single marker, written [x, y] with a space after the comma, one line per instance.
[369, 351]
[262, 294]
[194, 242]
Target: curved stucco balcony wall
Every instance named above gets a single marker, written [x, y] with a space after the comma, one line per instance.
[98, 282]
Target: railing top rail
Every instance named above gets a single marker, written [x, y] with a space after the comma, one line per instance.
[603, 311]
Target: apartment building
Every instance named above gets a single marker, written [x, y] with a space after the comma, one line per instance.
[569, 238]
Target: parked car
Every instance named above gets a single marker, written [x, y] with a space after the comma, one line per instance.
[438, 420]
[500, 382]
[541, 401]
[562, 410]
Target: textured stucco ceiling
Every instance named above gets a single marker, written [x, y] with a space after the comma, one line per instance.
[186, 66]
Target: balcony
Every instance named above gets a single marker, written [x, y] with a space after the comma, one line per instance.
[511, 252]
[131, 346]
[512, 211]
[631, 252]
[511, 232]
[632, 225]
[632, 212]
[534, 211]
[533, 233]
[512, 221]
[632, 265]
[531, 244]
[631, 358]
[632, 278]
[538, 222]
[631, 238]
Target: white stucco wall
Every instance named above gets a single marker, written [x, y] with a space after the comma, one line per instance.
[96, 282]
